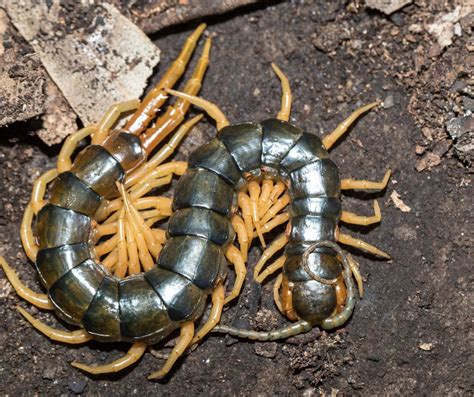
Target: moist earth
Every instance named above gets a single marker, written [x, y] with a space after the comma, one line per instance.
[411, 333]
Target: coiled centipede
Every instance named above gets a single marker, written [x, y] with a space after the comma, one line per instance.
[101, 193]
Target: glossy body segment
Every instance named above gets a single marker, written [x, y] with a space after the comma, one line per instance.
[214, 193]
[68, 191]
[244, 143]
[278, 139]
[199, 260]
[53, 263]
[102, 318]
[203, 223]
[99, 170]
[183, 300]
[215, 157]
[143, 314]
[73, 292]
[58, 226]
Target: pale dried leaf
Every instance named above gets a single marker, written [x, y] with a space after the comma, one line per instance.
[108, 59]
[399, 203]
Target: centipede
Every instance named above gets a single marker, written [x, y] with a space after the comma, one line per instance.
[109, 271]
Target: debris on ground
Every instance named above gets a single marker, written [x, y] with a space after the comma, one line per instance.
[152, 16]
[446, 25]
[387, 6]
[22, 77]
[398, 202]
[87, 51]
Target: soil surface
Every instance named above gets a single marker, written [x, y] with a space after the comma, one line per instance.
[411, 333]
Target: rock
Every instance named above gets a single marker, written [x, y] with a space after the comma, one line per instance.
[443, 26]
[77, 386]
[458, 126]
[387, 6]
[388, 102]
[330, 36]
[268, 350]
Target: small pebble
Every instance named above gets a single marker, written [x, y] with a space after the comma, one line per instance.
[77, 386]
[388, 102]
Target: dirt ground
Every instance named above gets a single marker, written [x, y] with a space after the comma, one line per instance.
[412, 331]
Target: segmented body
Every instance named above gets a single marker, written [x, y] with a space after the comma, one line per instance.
[275, 149]
[150, 305]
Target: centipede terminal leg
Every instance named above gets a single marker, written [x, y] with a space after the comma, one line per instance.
[349, 217]
[331, 139]
[132, 356]
[71, 337]
[174, 115]
[157, 96]
[354, 184]
[165, 151]
[215, 314]
[39, 300]
[185, 339]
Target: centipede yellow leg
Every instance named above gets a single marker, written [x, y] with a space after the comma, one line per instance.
[110, 118]
[39, 300]
[235, 257]
[215, 314]
[185, 338]
[267, 187]
[210, 108]
[246, 209]
[64, 159]
[356, 273]
[72, 337]
[242, 236]
[275, 246]
[349, 217]
[254, 192]
[354, 184]
[26, 233]
[362, 245]
[39, 189]
[276, 221]
[132, 356]
[278, 264]
[280, 204]
[276, 293]
[341, 129]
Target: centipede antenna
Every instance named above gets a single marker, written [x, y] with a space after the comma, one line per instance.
[284, 113]
[210, 108]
